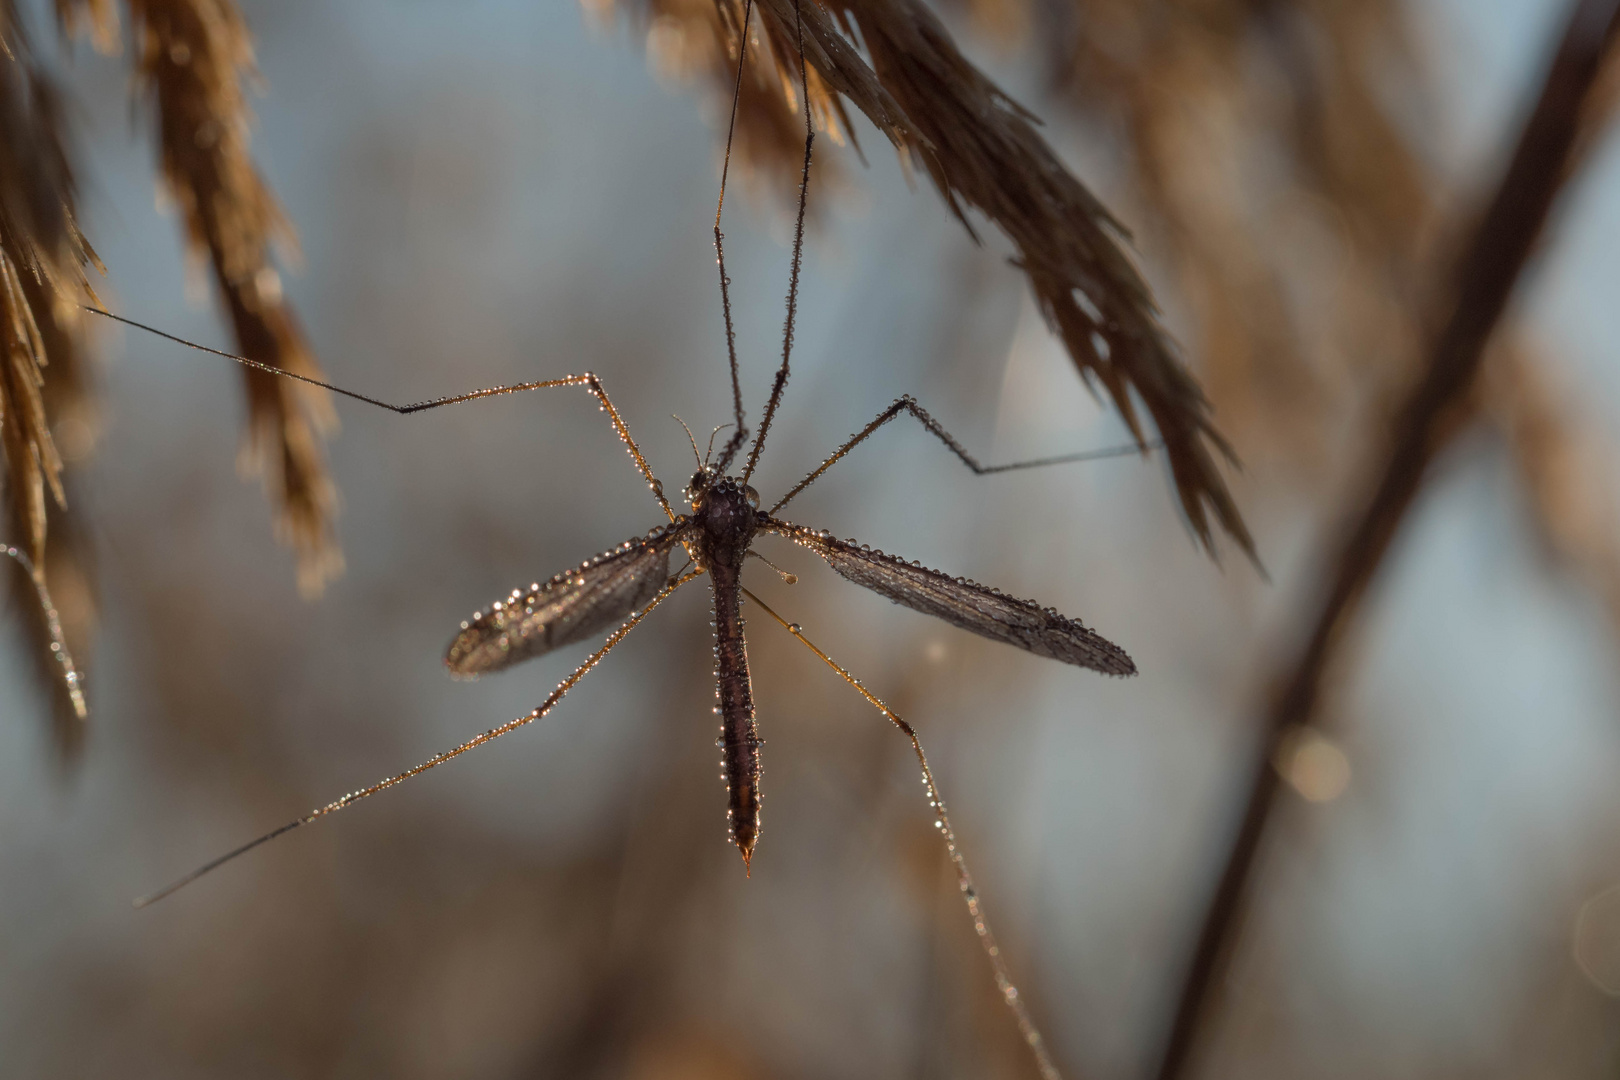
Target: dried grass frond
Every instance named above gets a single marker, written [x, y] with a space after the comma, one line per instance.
[32, 462]
[95, 19]
[982, 151]
[1270, 171]
[691, 41]
[193, 56]
[42, 283]
[40, 245]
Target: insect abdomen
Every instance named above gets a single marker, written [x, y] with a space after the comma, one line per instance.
[739, 734]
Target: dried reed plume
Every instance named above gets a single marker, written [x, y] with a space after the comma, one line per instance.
[192, 56]
[1252, 133]
[42, 283]
[982, 151]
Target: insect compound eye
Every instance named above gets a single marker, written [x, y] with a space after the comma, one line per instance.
[752, 496]
[696, 488]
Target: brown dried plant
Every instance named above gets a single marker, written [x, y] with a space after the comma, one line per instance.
[1255, 134]
[982, 151]
[42, 283]
[193, 56]
[1294, 358]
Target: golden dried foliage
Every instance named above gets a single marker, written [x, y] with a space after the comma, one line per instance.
[1269, 170]
[982, 151]
[692, 40]
[193, 56]
[42, 283]
[1197, 92]
[95, 19]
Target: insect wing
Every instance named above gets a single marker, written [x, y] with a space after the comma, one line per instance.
[572, 606]
[967, 604]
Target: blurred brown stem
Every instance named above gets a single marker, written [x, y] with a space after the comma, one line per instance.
[1500, 247]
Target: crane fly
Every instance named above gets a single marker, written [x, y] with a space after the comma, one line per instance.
[619, 588]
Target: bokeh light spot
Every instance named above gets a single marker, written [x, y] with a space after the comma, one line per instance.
[1313, 765]
[1597, 940]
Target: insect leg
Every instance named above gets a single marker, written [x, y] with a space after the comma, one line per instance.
[798, 254]
[586, 379]
[737, 437]
[964, 880]
[908, 404]
[438, 759]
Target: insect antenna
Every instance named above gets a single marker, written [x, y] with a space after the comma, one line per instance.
[53, 623]
[438, 759]
[586, 379]
[718, 429]
[691, 440]
[798, 254]
[964, 879]
[735, 442]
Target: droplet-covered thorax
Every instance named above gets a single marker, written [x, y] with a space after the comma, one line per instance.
[726, 511]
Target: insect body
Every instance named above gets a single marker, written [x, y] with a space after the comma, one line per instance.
[718, 537]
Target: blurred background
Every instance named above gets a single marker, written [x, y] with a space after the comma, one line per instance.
[497, 191]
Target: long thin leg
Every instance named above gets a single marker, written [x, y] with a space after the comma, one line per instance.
[908, 404]
[53, 622]
[587, 380]
[438, 759]
[735, 442]
[964, 880]
[798, 254]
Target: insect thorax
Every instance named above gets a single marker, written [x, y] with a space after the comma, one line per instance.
[726, 513]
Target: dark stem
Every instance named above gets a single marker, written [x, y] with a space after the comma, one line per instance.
[1485, 278]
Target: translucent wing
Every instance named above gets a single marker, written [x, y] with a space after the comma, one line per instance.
[570, 607]
[966, 604]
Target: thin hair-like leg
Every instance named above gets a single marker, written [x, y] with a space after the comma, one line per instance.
[735, 442]
[964, 879]
[908, 404]
[586, 379]
[53, 622]
[798, 255]
[438, 759]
